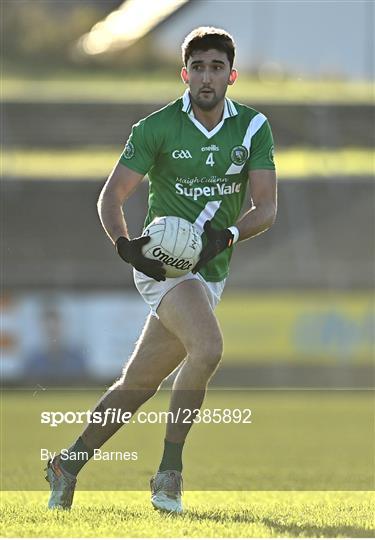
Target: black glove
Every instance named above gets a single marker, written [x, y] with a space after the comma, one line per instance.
[217, 241]
[131, 252]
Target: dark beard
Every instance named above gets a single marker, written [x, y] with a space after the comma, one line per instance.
[204, 105]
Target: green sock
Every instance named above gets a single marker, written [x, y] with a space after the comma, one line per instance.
[78, 455]
[172, 456]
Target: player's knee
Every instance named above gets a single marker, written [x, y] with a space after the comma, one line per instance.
[208, 355]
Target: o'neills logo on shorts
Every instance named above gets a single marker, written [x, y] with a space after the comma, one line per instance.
[181, 264]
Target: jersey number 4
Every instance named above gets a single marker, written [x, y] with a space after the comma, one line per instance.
[210, 159]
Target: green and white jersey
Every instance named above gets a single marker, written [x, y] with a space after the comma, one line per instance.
[198, 174]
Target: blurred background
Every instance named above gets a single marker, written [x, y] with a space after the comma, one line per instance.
[298, 310]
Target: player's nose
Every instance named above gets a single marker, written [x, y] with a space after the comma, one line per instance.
[206, 76]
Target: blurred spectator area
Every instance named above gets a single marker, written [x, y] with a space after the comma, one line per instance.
[54, 358]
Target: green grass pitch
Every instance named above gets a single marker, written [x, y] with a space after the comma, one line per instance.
[208, 514]
[304, 468]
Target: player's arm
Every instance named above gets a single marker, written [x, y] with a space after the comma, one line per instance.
[262, 214]
[121, 183]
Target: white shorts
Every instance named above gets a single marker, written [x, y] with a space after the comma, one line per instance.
[153, 291]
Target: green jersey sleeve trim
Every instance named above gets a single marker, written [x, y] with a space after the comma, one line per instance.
[262, 149]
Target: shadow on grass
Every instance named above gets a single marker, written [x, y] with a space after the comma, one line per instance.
[343, 531]
[293, 530]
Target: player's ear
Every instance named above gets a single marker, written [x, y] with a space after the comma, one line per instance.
[233, 76]
[184, 75]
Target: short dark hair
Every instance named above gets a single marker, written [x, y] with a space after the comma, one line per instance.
[205, 38]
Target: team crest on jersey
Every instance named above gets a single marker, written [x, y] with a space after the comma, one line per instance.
[239, 155]
[129, 150]
[271, 154]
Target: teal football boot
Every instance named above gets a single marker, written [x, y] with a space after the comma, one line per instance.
[62, 485]
[166, 489]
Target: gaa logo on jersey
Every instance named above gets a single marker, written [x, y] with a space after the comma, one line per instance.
[129, 150]
[181, 154]
[239, 155]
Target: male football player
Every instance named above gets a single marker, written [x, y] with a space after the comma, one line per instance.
[199, 153]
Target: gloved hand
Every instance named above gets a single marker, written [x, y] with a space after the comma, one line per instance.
[217, 241]
[131, 252]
